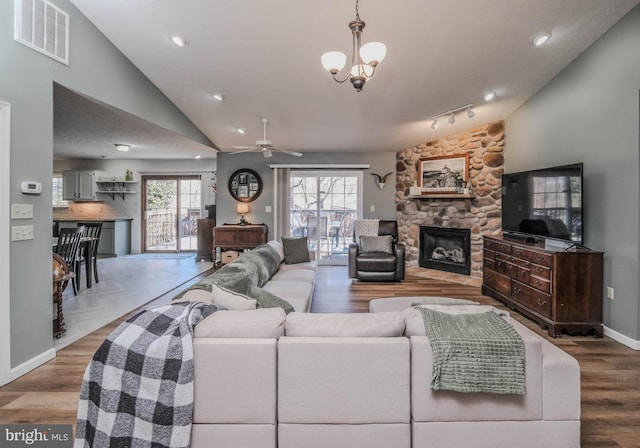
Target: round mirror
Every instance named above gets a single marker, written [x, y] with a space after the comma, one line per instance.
[245, 185]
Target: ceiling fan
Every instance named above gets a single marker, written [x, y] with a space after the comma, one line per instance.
[264, 146]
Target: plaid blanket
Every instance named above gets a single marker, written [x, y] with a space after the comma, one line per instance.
[137, 391]
[475, 353]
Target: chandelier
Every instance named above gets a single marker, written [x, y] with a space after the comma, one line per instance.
[364, 58]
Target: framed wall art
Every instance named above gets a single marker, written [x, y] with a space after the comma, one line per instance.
[446, 174]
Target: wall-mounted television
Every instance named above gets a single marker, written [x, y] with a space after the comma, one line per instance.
[545, 203]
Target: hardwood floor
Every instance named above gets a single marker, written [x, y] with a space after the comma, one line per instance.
[610, 371]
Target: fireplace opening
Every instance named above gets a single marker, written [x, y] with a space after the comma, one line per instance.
[445, 249]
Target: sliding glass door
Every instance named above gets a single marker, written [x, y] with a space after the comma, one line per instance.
[171, 212]
[323, 206]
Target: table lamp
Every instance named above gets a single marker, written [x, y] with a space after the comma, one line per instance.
[241, 209]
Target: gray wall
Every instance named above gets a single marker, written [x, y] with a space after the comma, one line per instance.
[26, 81]
[380, 163]
[590, 113]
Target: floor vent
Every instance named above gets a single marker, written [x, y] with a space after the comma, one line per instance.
[44, 27]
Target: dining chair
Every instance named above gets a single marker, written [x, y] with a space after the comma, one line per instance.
[68, 247]
[92, 230]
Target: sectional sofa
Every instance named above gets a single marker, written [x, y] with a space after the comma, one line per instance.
[264, 378]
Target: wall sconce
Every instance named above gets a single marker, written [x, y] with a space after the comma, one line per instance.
[451, 113]
[242, 208]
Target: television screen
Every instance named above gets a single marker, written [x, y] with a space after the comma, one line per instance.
[544, 202]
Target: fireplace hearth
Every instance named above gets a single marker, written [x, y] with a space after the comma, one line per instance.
[445, 249]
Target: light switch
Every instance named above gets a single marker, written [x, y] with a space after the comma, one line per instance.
[21, 233]
[372, 208]
[21, 211]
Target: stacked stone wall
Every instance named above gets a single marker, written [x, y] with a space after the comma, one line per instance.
[482, 213]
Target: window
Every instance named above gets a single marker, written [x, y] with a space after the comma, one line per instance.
[56, 191]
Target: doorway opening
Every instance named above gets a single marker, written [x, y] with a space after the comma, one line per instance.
[171, 209]
[323, 207]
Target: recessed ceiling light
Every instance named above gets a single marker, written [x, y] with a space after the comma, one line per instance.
[197, 156]
[179, 40]
[218, 96]
[241, 130]
[122, 147]
[490, 96]
[540, 39]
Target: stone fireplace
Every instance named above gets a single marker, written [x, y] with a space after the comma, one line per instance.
[445, 249]
[478, 212]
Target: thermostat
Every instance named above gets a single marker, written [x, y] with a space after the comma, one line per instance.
[29, 187]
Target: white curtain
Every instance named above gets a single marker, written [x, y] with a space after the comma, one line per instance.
[281, 204]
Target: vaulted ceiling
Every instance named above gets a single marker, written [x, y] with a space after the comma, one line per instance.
[264, 57]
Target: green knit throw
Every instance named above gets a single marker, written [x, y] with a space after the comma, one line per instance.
[475, 353]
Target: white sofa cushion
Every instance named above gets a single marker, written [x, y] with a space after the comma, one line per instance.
[415, 320]
[387, 324]
[231, 300]
[428, 405]
[343, 380]
[235, 380]
[401, 303]
[294, 275]
[260, 323]
[298, 294]
[309, 265]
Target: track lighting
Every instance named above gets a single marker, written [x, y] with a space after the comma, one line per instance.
[451, 113]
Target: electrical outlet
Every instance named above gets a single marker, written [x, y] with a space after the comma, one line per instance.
[267, 209]
[21, 233]
[21, 211]
[610, 292]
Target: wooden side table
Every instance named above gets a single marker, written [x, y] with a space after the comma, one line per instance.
[237, 237]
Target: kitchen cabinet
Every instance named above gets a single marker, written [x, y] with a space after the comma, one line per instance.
[80, 185]
[115, 238]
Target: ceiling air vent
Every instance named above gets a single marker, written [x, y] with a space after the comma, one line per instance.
[44, 27]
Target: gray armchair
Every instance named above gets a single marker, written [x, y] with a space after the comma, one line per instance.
[378, 266]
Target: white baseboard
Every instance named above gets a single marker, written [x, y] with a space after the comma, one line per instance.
[31, 364]
[621, 338]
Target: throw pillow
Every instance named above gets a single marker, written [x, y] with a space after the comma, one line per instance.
[295, 250]
[376, 244]
[230, 300]
[267, 299]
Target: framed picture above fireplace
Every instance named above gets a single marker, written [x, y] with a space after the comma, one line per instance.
[446, 174]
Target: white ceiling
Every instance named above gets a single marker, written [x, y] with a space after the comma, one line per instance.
[264, 56]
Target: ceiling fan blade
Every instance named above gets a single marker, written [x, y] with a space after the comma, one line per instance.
[244, 147]
[291, 153]
[243, 150]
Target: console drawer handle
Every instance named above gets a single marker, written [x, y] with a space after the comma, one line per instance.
[542, 302]
[516, 290]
